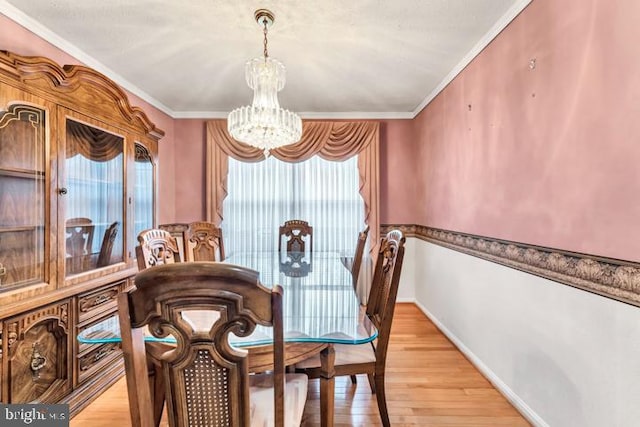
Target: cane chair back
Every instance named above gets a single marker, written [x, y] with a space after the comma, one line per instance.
[155, 247]
[207, 381]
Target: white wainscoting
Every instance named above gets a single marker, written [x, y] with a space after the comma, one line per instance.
[564, 357]
[408, 279]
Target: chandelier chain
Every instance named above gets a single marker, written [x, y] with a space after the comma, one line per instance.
[265, 22]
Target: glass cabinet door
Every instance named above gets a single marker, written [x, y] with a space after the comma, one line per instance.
[22, 196]
[94, 207]
[143, 197]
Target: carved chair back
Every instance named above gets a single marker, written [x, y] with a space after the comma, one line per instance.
[104, 257]
[206, 379]
[178, 231]
[79, 242]
[203, 242]
[384, 290]
[155, 247]
[297, 234]
[357, 258]
[296, 264]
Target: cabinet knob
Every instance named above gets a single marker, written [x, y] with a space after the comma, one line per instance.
[62, 191]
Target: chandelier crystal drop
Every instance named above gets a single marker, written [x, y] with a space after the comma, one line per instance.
[264, 124]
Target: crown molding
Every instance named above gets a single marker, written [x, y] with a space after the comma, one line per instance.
[360, 115]
[497, 28]
[609, 277]
[200, 114]
[45, 33]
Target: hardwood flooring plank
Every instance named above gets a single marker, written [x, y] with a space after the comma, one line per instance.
[429, 384]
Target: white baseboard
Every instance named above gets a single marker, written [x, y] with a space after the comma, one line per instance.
[513, 398]
[403, 300]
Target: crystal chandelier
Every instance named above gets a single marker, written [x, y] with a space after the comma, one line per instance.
[264, 124]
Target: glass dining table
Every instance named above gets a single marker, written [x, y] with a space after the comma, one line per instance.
[320, 309]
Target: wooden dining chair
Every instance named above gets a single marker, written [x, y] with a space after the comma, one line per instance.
[178, 231]
[79, 242]
[155, 247]
[203, 242]
[371, 358]
[296, 233]
[104, 257]
[357, 258]
[206, 380]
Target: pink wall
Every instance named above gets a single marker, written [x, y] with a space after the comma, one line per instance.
[190, 164]
[548, 156]
[398, 185]
[17, 39]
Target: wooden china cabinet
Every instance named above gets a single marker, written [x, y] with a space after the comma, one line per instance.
[77, 184]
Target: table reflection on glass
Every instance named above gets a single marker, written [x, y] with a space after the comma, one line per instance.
[319, 306]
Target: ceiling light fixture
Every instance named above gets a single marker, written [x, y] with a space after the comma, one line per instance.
[264, 124]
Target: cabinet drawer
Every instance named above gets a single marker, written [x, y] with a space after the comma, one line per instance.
[97, 302]
[92, 358]
[95, 360]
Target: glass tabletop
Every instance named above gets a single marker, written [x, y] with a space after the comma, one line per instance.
[319, 303]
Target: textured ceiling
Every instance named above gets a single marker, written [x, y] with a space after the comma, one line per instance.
[355, 58]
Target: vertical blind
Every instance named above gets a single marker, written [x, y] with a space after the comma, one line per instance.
[95, 191]
[263, 195]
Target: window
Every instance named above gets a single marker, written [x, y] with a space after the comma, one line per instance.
[143, 193]
[263, 195]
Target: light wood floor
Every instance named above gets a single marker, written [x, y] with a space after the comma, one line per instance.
[428, 383]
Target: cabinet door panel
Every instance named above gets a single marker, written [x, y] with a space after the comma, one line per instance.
[22, 138]
[92, 173]
[26, 257]
[38, 355]
[20, 256]
[143, 194]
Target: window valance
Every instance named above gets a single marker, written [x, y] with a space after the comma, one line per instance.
[330, 140]
[93, 144]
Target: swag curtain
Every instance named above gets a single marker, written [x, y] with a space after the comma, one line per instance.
[333, 141]
[94, 144]
[329, 140]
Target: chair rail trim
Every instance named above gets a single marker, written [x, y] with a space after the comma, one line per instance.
[608, 277]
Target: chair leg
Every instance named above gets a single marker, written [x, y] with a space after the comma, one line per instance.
[354, 379]
[158, 394]
[382, 400]
[372, 383]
